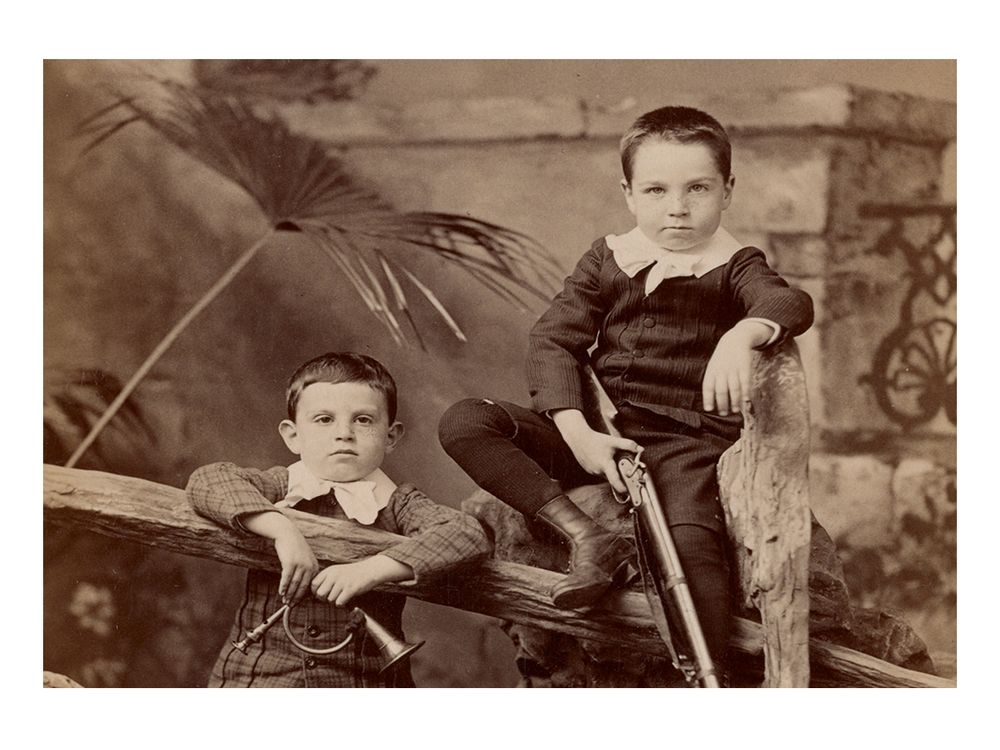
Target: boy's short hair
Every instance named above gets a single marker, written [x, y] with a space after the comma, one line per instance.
[342, 367]
[680, 124]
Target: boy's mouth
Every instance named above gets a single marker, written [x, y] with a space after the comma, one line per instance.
[344, 452]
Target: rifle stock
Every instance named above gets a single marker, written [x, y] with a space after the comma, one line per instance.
[670, 598]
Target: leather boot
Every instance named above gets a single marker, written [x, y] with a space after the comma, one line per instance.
[596, 555]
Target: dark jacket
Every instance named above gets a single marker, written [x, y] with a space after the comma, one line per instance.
[651, 351]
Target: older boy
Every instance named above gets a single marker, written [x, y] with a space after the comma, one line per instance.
[668, 315]
[341, 423]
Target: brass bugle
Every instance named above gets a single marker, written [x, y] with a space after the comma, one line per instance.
[391, 649]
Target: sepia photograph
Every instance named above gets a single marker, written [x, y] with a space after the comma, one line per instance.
[500, 373]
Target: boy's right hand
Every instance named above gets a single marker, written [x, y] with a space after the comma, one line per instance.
[298, 563]
[594, 451]
[298, 566]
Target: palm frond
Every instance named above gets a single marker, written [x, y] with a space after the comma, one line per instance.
[296, 181]
[75, 400]
[298, 184]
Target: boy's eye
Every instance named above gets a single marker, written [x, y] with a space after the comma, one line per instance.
[364, 419]
[699, 188]
[655, 190]
[324, 419]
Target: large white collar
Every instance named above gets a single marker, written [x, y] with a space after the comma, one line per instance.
[361, 500]
[633, 251]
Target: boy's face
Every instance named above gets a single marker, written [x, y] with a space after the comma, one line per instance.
[677, 194]
[341, 430]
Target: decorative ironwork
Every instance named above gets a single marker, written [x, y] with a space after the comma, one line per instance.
[914, 371]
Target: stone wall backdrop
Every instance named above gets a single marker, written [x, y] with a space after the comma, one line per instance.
[846, 189]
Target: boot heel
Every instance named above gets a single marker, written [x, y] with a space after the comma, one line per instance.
[581, 588]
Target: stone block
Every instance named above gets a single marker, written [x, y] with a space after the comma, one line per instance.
[949, 172]
[921, 488]
[799, 254]
[903, 115]
[829, 107]
[498, 118]
[876, 170]
[851, 496]
[823, 106]
[782, 185]
[859, 312]
[470, 120]
[520, 192]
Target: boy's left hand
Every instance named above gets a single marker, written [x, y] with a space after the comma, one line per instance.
[727, 377]
[341, 583]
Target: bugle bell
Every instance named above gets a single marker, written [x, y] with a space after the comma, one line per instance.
[391, 649]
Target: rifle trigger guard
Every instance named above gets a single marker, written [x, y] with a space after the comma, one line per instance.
[633, 473]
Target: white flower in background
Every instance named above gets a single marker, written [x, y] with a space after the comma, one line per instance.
[93, 607]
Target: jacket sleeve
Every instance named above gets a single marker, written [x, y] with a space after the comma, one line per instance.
[558, 342]
[761, 293]
[439, 538]
[224, 492]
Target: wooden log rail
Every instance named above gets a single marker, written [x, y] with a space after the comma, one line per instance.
[156, 515]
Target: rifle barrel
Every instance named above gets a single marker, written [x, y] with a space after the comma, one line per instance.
[664, 552]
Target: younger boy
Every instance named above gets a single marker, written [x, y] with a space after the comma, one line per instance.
[341, 423]
[667, 315]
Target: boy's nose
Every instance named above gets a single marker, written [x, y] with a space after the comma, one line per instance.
[678, 207]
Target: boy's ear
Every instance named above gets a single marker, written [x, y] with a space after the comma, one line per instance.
[629, 199]
[290, 435]
[394, 435]
[727, 191]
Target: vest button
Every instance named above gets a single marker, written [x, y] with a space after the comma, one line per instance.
[649, 322]
[637, 354]
[310, 663]
[312, 631]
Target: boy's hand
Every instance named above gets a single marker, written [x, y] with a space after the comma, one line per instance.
[341, 583]
[726, 385]
[594, 451]
[298, 563]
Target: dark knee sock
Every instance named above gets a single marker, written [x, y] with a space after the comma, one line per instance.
[480, 437]
[703, 558]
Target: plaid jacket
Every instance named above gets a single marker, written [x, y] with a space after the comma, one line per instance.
[441, 538]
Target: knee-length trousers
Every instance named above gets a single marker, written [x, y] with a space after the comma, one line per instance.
[518, 456]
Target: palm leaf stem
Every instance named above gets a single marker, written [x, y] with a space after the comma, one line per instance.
[164, 345]
[107, 133]
[432, 298]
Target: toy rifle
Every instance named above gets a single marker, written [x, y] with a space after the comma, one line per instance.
[663, 580]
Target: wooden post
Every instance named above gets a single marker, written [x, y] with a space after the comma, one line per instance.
[764, 488]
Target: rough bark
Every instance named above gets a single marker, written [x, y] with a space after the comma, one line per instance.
[764, 488]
